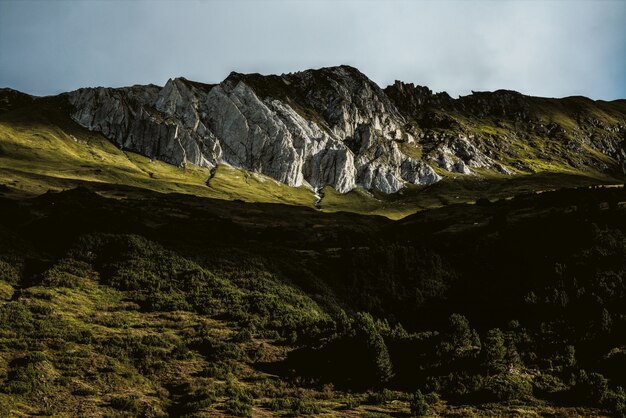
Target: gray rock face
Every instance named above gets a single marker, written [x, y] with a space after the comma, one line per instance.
[334, 126]
[325, 127]
[459, 155]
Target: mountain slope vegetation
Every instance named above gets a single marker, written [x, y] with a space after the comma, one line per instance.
[176, 305]
[310, 244]
[42, 149]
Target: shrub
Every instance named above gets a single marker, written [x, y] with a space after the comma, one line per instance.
[68, 273]
[432, 398]
[591, 387]
[84, 391]
[381, 397]
[418, 404]
[128, 403]
[547, 384]
[377, 368]
[5, 409]
[494, 351]
[166, 302]
[506, 387]
[199, 399]
[459, 339]
[220, 369]
[28, 374]
[456, 385]
[239, 405]
[300, 407]
[147, 353]
[243, 336]
[40, 308]
[615, 402]
[278, 404]
[351, 402]
[8, 273]
[16, 316]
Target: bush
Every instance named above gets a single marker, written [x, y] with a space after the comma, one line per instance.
[84, 391]
[457, 385]
[28, 374]
[16, 316]
[68, 273]
[239, 405]
[591, 387]
[432, 398]
[547, 384]
[5, 409]
[376, 367]
[460, 339]
[615, 402]
[419, 406]
[351, 402]
[216, 350]
[300, 407]
[220, 369]
[8, 273]
[243, 336]
[128, 403]
[240, 401]
[166, 302]
[506, 387]
[381, 397]
[494, 351]
[40, 308]
[197, 400]
[147, 353]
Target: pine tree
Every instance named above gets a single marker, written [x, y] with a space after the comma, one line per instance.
[379, 365]
[494, 351]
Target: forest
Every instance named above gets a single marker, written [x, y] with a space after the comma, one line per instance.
[174, 305]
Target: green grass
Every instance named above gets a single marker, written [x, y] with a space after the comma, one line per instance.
[180, 312]
[457, 189]
[41, 150]
[94, 345]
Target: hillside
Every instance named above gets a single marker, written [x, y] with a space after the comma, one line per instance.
[174, 305]
[335, 127]
[393, 151]
[310, 244]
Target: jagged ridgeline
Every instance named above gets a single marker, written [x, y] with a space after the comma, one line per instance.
[333, 127]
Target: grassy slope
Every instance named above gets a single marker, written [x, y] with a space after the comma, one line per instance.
[86, 376]
[450, 190]
[61, 340]
[40, 149]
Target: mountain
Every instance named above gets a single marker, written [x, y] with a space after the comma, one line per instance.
[171, 305]
[336, 127]
[169, 251]
[328, 127]
[330, 131]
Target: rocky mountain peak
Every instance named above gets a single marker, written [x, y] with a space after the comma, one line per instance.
[501, 103]
[412, 99]
[335, 127]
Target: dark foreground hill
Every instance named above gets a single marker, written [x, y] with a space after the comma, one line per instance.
[174, 305]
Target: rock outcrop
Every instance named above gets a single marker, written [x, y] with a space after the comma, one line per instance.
[331, 126]
[328, 127]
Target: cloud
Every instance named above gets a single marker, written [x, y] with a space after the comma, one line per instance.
[548, 48]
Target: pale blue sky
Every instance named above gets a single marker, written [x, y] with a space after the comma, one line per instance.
[544, 48]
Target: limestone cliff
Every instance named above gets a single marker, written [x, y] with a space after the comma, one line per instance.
[334, 126]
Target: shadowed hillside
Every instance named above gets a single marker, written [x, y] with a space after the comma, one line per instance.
[172, 305]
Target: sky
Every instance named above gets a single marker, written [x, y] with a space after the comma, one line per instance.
[542, 48]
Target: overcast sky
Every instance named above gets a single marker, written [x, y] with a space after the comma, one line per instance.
[543, 48]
